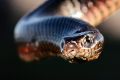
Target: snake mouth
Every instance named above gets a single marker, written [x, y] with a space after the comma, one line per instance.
[90, 54]
[74, 54]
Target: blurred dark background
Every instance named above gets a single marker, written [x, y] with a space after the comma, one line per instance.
[11, 67]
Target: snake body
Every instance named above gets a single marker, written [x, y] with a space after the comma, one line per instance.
[57, 28]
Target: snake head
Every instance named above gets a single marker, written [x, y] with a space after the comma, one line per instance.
[87, 47]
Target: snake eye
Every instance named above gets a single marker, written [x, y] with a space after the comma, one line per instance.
[87, 40]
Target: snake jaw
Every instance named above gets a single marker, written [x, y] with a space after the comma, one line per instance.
[78, 49]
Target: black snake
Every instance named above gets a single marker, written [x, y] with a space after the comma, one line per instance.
[64, 28]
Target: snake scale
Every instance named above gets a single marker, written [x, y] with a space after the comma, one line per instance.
[63, 28]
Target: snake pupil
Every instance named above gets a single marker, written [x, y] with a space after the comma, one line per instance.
[87, 39]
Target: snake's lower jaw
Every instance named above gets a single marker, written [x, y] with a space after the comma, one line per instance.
[93, 53]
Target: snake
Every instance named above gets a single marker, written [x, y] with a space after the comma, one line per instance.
[65, 29]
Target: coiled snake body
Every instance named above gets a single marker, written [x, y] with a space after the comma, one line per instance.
[63, 28]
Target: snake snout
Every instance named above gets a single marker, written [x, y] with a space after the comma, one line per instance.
[87, 47]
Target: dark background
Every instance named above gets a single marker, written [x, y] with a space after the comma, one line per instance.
[11, 67]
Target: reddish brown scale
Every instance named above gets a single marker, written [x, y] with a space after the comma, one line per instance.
[91, 11]
[32, 51]
[104, 8]
[26, 52]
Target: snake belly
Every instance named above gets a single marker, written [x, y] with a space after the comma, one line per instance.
[50, 31]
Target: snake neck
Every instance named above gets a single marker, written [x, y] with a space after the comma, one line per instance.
[92, 11]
